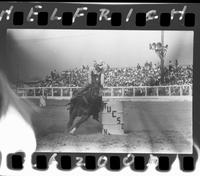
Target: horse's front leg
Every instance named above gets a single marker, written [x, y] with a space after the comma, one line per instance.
[84, 117]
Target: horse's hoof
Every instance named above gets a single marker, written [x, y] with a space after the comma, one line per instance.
[72, 131]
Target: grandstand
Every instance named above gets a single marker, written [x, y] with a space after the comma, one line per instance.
[140, 81]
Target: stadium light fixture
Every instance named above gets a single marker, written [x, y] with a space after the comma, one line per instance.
[161, 50]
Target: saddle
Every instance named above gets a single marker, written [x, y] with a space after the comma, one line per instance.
[87, 97]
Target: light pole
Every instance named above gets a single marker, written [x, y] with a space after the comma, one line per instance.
[161, 50]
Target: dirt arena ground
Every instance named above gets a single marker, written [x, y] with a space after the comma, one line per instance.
[151, 127]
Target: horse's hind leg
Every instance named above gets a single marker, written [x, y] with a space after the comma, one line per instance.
[84, 117]
[82, 120]
[71, 120]
[77, 125]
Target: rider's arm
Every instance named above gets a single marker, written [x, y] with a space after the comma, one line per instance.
[102, 79]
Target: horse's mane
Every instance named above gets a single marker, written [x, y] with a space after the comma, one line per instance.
[8, 97]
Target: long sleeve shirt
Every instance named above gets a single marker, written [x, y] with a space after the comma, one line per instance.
[93, 76]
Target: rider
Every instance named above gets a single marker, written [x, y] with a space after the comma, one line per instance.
[96, 77]
[90, 96]
[95, 80]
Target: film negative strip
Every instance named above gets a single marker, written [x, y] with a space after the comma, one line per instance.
[99, 85]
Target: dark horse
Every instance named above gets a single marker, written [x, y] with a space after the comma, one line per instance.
[84, 103]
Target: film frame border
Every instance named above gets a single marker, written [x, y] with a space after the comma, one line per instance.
[17, 18]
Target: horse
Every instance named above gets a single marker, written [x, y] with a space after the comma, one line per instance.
[16, 131]
[84, 103]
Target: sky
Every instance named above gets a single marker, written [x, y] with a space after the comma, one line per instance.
[33, 53]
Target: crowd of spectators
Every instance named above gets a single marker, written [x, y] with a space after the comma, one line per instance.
[69, 78]
[142, 75]
[149, 75]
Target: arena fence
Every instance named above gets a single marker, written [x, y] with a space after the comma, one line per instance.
[117, 92]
